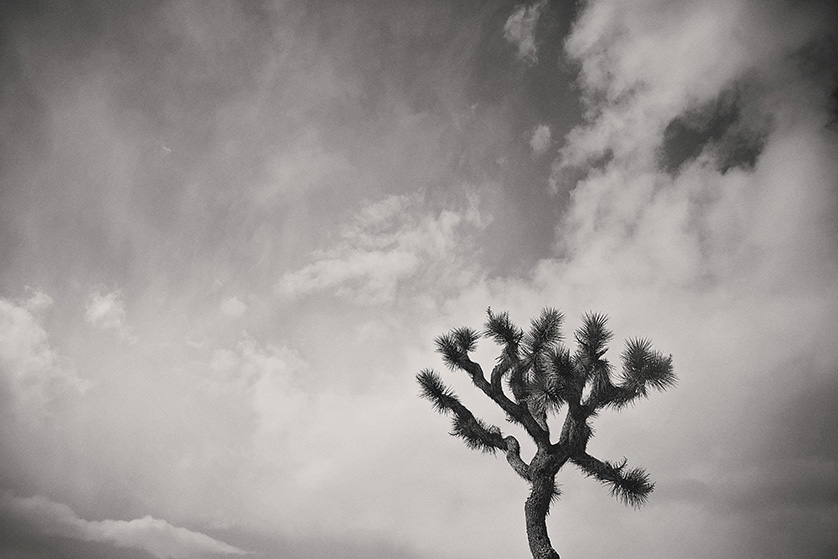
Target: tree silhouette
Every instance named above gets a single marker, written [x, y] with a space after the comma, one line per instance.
[542, 376]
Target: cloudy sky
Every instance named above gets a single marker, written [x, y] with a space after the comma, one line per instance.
[229, 232]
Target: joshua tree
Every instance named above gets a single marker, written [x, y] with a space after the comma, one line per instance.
[542, 376]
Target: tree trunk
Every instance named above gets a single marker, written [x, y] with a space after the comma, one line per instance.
[535, 510]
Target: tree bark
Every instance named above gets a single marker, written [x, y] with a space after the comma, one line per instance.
[535, 511]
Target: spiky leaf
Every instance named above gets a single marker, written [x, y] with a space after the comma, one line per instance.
[645, 368]
[563, 380]
[545, 331]
[442, 398]
[450, 350]
[503, 331]
[593, 337]
[466, 338]
[632, 487]
[601, 385]
[456, 345]
[477, 434]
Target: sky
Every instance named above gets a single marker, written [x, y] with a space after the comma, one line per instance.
[230, 231]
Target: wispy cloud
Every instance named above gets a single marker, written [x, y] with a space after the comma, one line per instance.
[107, 311]
[153, 535]
[388, 242]
[519, 29]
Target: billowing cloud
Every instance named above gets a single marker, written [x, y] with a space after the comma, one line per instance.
[38, 300]
[708, 220]
[107, 311]
[389, 242]
[540, 140]
[635, 87]
[519, 29]
[153, 535]
[31, 371]
[727, 259]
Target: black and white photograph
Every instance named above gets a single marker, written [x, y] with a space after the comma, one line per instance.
[418, 279]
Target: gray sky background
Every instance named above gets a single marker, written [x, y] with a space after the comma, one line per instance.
[229, 233]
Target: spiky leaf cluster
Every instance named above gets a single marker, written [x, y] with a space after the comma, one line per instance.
[456, 345]
[544, 332]
[645, 368]
[562, 381]
[592, 338]
[476, 433]
[539, 343]
[442, 398]
[631, 486]
[525, 358]
[542, 376]
[503, 331]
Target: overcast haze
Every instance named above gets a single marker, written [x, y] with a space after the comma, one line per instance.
[229, 232]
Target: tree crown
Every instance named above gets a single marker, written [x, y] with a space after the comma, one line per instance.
[542, 376]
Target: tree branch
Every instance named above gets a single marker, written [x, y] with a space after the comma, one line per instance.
[476, 433]
[632, 487]
[643, 368]
[519, 413]
[513, 456]
[497, 375]
[616, 396]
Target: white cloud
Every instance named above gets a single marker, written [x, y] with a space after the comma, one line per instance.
[540, 140]
[389, 242]
[38, 300]
[644, 63]
[107, 311]
[153, 535]
[634, 71]
[519, 29]
[30, 369]
[232, 307]
[735, 272]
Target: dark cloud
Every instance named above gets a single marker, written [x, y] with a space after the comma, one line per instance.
[23, 542]
[719, 128]
[325, 546]
[39, 524]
